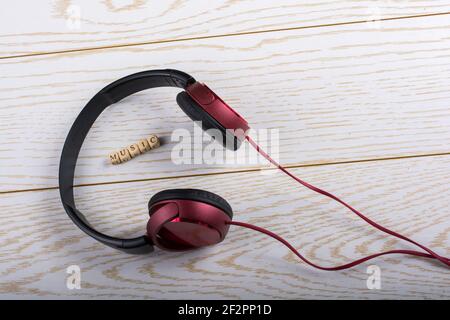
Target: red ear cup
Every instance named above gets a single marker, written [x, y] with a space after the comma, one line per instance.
[185, 219]
[207, 122]
[215, 107]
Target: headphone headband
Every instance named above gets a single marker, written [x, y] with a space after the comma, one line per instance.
[112, 93]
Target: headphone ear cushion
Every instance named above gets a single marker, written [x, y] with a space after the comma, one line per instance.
[194, 111]
[194, 195]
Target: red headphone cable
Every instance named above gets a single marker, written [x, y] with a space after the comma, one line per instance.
[431, 254]
[345, 266]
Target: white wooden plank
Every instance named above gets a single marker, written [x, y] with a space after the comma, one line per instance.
[335, 94]
[38, 241]
[41, 26]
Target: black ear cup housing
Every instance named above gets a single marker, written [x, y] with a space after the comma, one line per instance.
[196, 113]
[194, 195]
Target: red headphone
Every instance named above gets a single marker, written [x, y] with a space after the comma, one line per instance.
[185, 219]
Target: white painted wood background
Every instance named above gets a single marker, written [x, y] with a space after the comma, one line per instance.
[358, 90]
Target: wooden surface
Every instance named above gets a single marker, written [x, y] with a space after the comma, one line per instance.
[362, 109]
[339, 93]
[43, 241]
[49, 26]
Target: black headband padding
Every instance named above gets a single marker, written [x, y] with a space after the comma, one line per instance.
[194, 195]
[112, 93]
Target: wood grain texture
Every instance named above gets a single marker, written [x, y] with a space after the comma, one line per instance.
[43, 26]
[38, 241]
[335, 94]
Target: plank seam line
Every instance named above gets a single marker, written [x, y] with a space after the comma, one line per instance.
[235, 34]
[292, 166]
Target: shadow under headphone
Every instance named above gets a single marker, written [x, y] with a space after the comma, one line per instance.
[184, 219]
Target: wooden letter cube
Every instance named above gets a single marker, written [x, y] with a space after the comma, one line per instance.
[134, 150]
[124, 155]
[115, 158]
